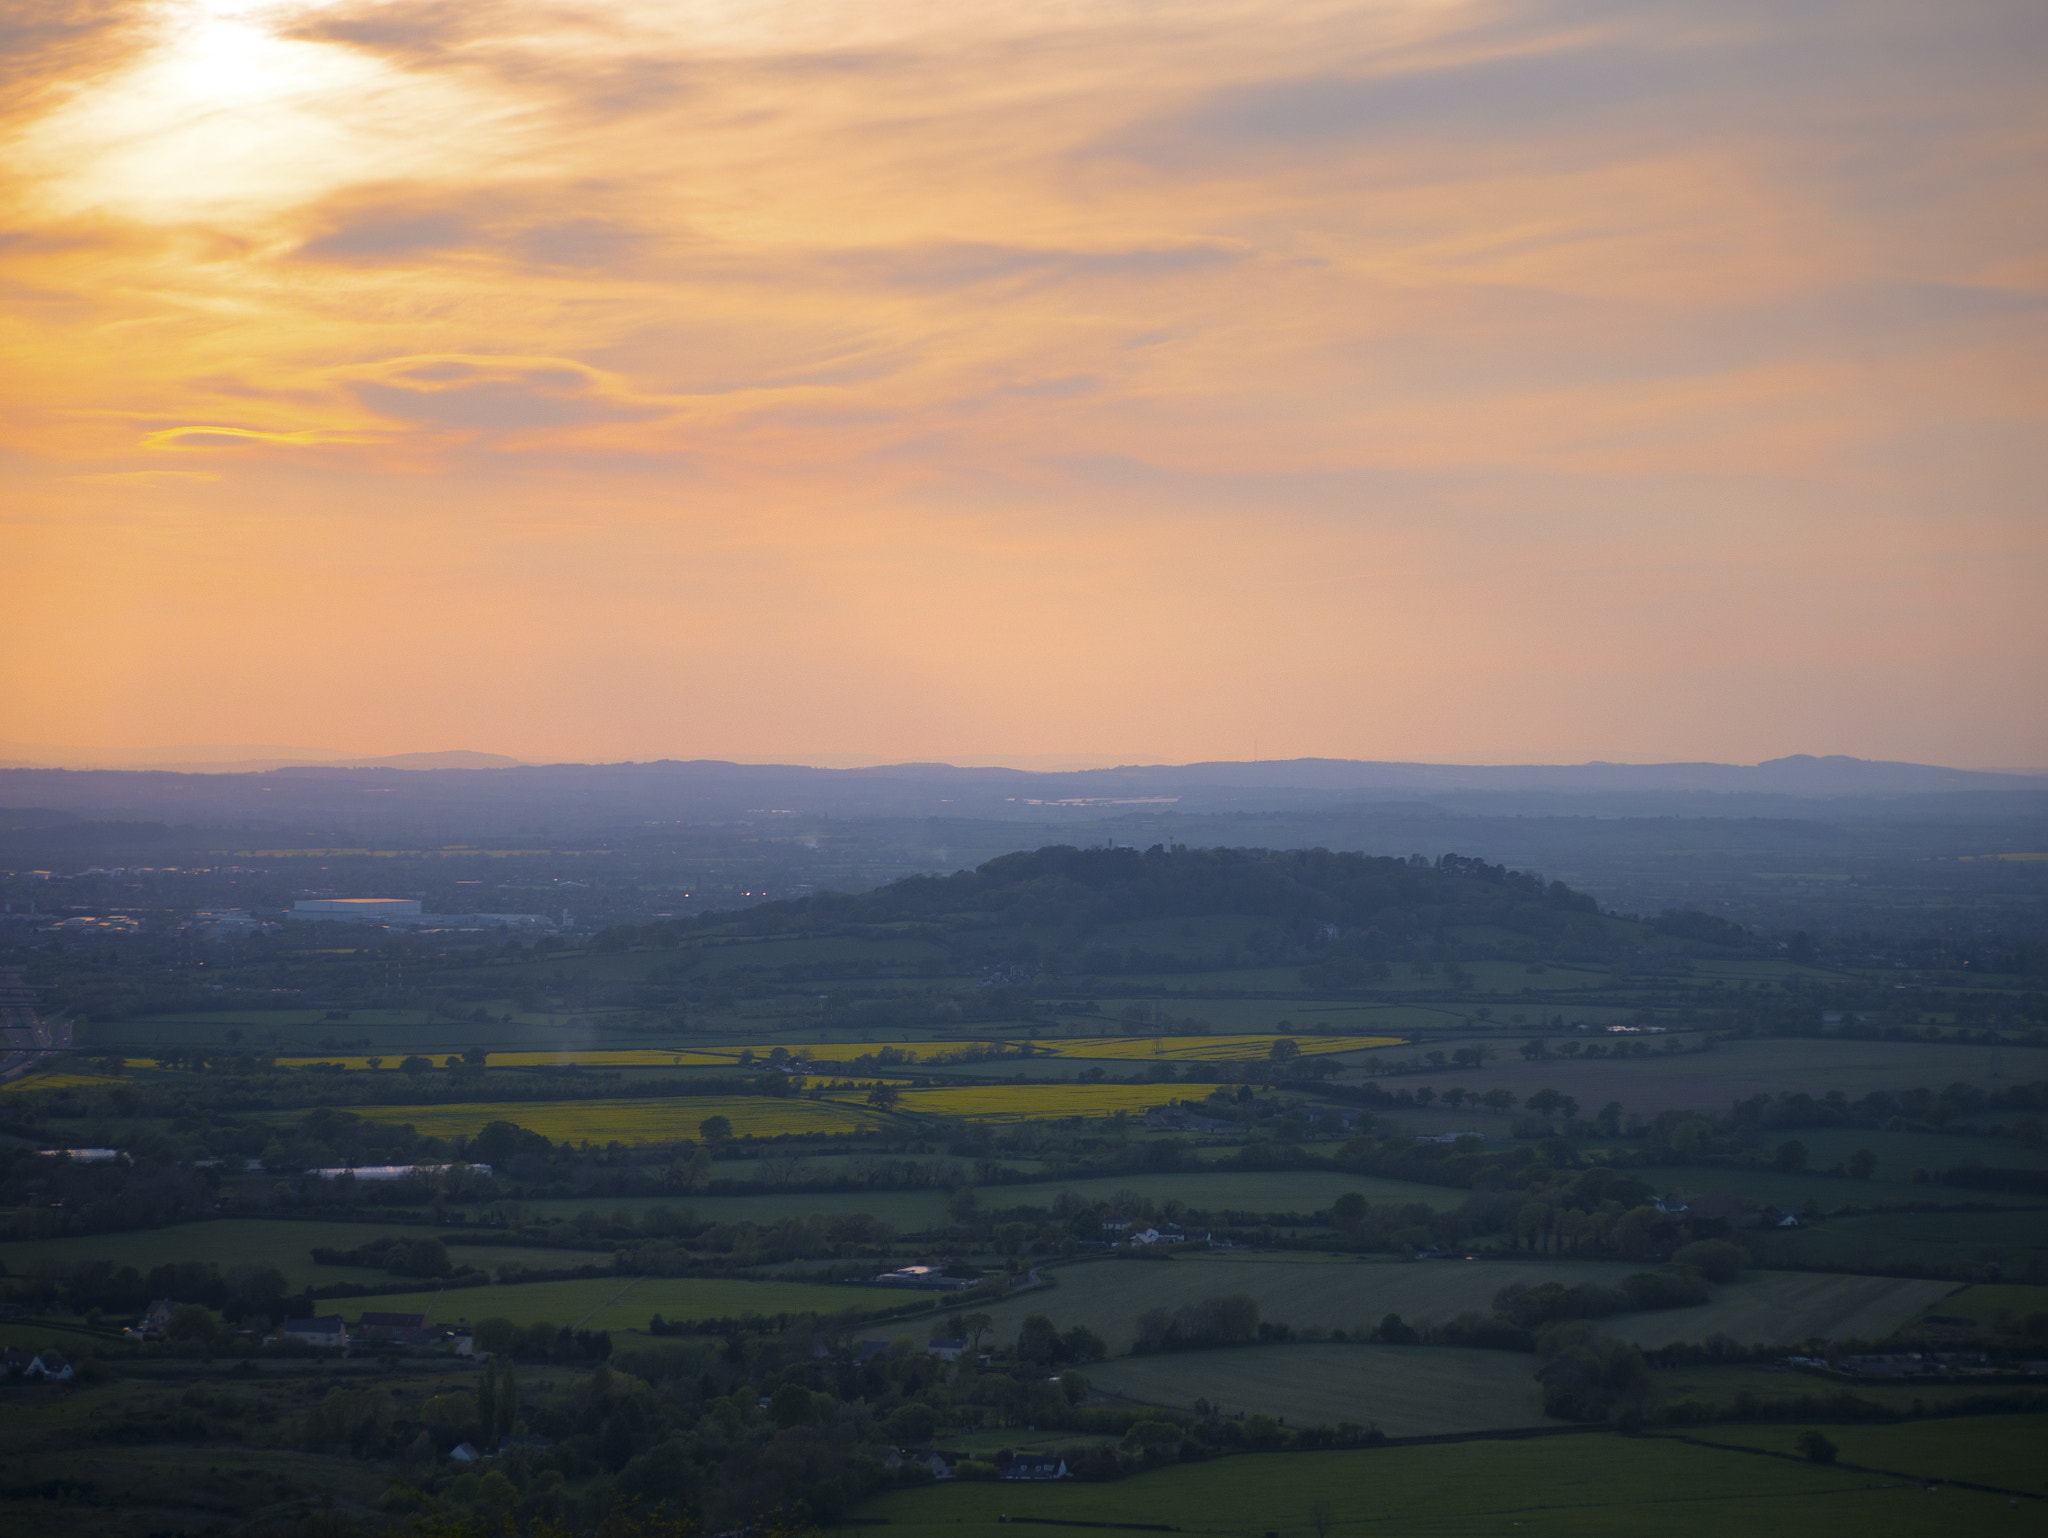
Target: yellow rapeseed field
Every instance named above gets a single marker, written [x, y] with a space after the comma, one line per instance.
[634, 1121]
[1034, 1102]
[1188, 1049]
[1115, 1048]
[58, 1081]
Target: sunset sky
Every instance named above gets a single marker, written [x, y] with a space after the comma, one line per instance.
[1139, 380]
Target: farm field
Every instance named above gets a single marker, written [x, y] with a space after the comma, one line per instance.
[1210, 1049]
[1328, 1293]
[626, 1303]
[1299, 1290]
[1900, 1153]
[2013, 1240]
[1036, 1102]
[1576, 1486]
[581, 1057]
[653, 1120]
[1826, 1193]
[1986, 1302]
[1216, 1191]
[1719, 1385]
[2003, 1450]
[1785, 1307]
[1404, 1390]
[284, 1243]
[921, 1051]
[1735, 1070]
[906, 1211]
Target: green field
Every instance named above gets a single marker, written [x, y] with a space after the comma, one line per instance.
[1405, 1390]
[1719, 1385]
[1298, 1290]
[1988, 1303]
[2003, 1450]
[1217, 1191]
[1586, 1486]
[626, 1303]
[905, 1211]
[1786, 1307]
[286, 1244]
[2012, 1240]
[1735, 1070]
[1307, 1291]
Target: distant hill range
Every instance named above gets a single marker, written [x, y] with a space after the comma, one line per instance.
[464, 794]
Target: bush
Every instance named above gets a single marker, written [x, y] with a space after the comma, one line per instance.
[1815, 1446]
[1716, 1259]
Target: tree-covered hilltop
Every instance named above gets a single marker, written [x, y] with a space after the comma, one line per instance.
[1176, 909]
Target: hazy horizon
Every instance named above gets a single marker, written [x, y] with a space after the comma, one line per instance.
[241, 756]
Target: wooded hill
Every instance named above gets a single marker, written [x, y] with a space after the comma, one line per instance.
[1119, 909]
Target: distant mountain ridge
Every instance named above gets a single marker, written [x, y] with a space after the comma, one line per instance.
[425, 795]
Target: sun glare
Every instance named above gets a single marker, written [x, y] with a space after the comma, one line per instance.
[221, 113]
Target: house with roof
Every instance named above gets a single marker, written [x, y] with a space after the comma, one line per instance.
[327, 1330]
[35, 1367]
[155, 1319]
[1036, 1466]
[391, 1327]
[947, 1349]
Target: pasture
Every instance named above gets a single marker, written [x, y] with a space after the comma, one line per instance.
[2002, 1450]
[2012, 1240]
[1735, 1070]
[1294, 1289]
[1209, 1049]
[285, 1243]
[1826, 1193]
[1310, 1291]
[1219, 1191]
[1786, 1307]
[1593, 1485]
[1720, 1384]
[905, 1211]
[1404, 1390]
[1992, 1303]
[626, 1303]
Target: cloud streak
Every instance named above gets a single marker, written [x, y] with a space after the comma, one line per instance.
[1398, 377]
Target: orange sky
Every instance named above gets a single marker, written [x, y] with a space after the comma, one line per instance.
[1154, 381]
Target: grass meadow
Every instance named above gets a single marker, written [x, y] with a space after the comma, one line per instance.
[1405, 1390]
[286, 1244]
[2012, 1239]
[1209, 1049]
[1987, 1303]
[626, 1303]
[2002, 1450]
[1314, 1291]
[1596, 1485]
[1786, 1307]
[1736, 1070]
[1217, 1191]
[1720, 1384]
[1298, 1290]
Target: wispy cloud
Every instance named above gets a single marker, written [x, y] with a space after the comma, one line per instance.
[1402, 375]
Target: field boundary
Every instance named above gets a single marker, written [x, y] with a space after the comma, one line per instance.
[1854, 1468]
